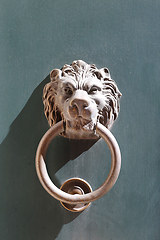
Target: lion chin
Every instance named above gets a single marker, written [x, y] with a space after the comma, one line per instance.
[81, 95]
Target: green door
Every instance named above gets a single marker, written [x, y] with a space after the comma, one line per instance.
[38, 36]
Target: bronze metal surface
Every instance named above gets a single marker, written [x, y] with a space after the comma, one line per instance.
[76, 198]
[80, 102]
[76, 186]
[81, 95]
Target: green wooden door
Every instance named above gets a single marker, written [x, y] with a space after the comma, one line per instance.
[37, 36]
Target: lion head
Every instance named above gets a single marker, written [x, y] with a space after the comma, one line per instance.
[80, 95]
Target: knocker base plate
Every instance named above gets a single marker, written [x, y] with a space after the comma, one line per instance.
[76, 186]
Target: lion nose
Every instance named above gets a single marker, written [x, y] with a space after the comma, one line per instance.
[79, 103]
[79, 106]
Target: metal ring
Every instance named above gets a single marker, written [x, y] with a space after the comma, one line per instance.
[66, 197]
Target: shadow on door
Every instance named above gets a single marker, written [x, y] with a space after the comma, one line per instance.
[26, 208]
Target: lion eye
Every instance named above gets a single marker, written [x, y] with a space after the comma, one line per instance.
[94, 90]
[67, 91]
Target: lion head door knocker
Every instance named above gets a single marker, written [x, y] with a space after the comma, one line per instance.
[80, 102]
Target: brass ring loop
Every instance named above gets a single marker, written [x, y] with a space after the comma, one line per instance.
[66, 197]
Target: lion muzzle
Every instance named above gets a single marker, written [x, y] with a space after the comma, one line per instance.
[80, 115]
[81, 106]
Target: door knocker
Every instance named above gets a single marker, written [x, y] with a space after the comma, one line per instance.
[80, 102]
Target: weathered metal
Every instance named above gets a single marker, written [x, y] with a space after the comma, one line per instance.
[84, 198]
[80, 102]
[81, 95]
[76, 186]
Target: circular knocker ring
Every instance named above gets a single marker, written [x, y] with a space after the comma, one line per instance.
[78, 198]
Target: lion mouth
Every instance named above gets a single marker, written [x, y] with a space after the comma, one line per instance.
[81, 123]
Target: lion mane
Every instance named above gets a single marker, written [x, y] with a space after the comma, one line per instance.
[79, 71]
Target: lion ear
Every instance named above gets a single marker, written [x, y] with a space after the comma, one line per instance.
[55, 74]
[105, 73]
